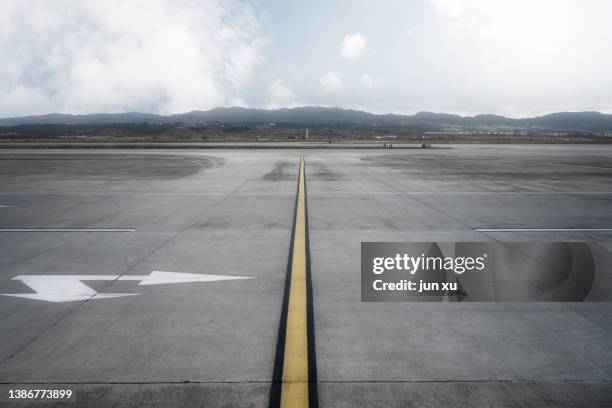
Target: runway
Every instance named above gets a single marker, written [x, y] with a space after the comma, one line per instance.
[121, 216]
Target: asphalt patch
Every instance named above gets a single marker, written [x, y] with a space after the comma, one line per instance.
[105, 166]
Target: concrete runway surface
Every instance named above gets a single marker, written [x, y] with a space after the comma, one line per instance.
[130, 213]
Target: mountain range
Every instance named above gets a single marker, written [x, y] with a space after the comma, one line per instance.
[321, 116]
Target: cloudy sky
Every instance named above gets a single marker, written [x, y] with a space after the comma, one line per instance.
[512, 57]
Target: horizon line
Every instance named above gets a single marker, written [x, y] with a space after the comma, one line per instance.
[266, 109]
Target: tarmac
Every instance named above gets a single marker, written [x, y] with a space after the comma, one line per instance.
[129, 213]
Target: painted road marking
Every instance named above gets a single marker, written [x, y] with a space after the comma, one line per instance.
[70, 288]
[466, 193]
[67, 230]
[294, 379]
[540, 229]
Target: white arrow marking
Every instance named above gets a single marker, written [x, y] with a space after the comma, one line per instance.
[160, 277]
[70, 288]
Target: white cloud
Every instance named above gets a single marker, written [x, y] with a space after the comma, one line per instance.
[353, 46]
[366, 80]
[280, 96]
[523, 50]
[518, 27]
[331, 82]
[113, 56]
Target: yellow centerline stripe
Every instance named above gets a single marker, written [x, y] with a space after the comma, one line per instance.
[294, 391]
